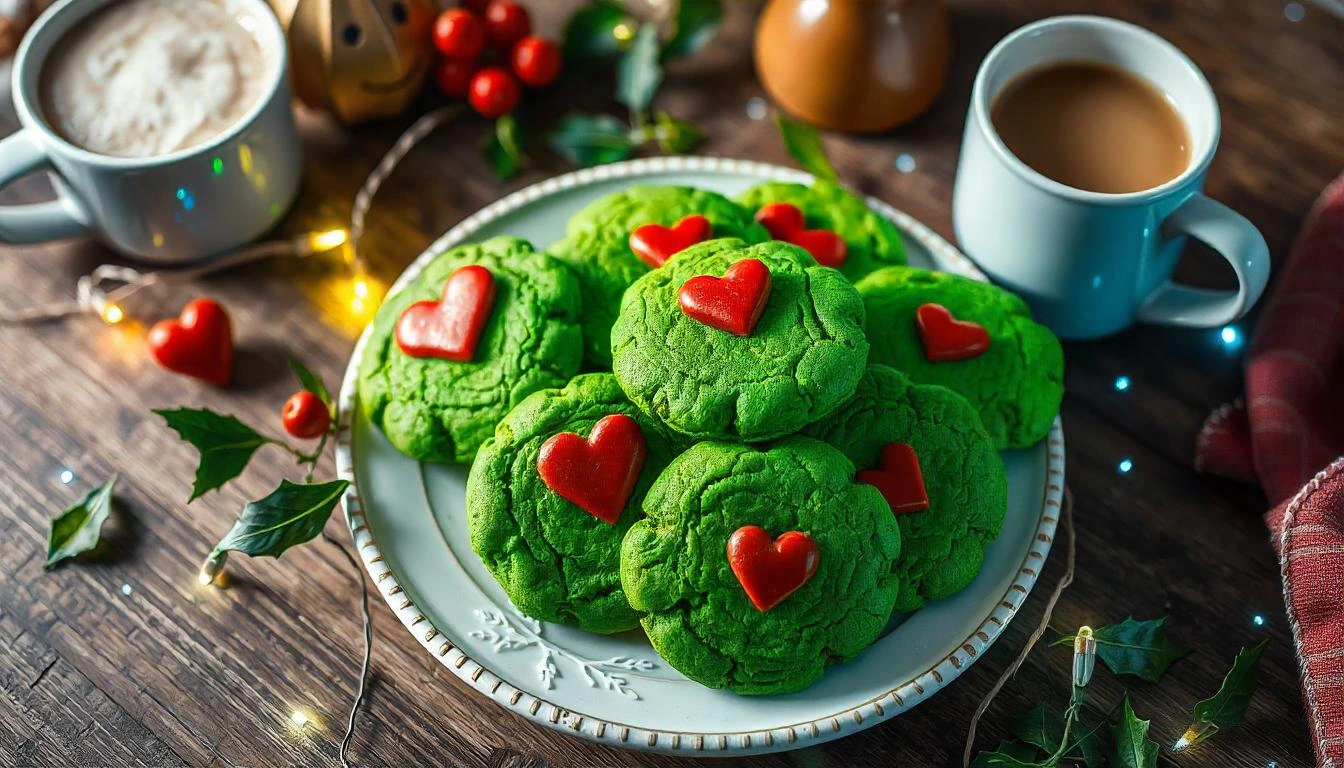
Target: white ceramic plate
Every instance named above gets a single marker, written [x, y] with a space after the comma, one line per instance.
[409, 524]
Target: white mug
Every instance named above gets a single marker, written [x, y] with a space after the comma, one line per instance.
[171, 208]
[1091, 263]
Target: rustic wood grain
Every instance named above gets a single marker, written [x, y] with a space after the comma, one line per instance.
[175, 674]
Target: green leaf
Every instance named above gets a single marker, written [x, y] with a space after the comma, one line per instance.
[590, 33]
[804, 143]
[638, 73]
[586, 140]
[675, 136]
[501, 148]
[1138, 648]
[310, 381]
[79, 528]
[1226, 708]
[1086, 747]
[225, 443]
[696, 23]
[1133, 748]
[1040, 727]
[291, 515]
[1010, 754]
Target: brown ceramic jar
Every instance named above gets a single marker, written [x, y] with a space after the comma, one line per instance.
[853, 65]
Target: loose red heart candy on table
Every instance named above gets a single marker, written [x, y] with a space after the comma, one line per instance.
[599, 473]
[655, 243]
[899, 478]
[784, 221]
[731, 303]
[449, 328]
[199, 343]
[947, 338]
[771, 569]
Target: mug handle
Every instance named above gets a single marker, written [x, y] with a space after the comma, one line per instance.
[20, 155]
[1235, 239]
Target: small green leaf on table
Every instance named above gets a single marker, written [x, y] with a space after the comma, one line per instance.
[292, 514]
[79, 528]
[1226, 708]
[638, 73]
[676, 136]
[587, 140]
[590, 33]
[803, 142]
[1138, 648]
[1010, 754]
[225, 444]
[1133, 748]
[696, 22]
[501, 148]
[310, 381]
[1040, 727]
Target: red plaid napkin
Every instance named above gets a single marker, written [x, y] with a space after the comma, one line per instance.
[1288, 435]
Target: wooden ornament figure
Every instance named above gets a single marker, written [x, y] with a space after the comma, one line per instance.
[358, 59]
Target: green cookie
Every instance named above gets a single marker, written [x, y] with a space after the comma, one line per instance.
[1016, 385]
[943, 547]
[597, 247]
[440, 410]
[802, 361]
[870, 238]
[674, 564]
[556, 561]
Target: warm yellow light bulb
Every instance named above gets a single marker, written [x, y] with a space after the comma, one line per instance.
[332, 238]
[361, 288]
[299, 718]
[622, 32]
[112, 313]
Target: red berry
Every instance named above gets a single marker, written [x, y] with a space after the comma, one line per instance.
[536, 61]
[506, 23]
[454, 77]
[475, 6]
[494, 92]
[305, 415]
[458, 34]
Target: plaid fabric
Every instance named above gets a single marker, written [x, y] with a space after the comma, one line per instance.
[1290, 425]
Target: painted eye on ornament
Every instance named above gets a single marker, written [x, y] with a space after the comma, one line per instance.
[352, 34]
[399, 13]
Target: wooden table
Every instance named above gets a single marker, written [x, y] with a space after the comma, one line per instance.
[123, 660]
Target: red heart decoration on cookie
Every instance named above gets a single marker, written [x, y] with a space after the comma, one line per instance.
[449, 328]
[946, 338]
[655, 243]
[784, 221]
[199, 343]
[899, 478]
[731, 303]
[771, 569]
[599, 473]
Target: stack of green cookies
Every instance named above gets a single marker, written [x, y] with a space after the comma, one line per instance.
[784, 435]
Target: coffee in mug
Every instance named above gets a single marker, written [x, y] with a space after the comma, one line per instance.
[143, 78]
[1092, 126]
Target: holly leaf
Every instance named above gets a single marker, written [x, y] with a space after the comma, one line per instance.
[1040, 727]
[1138, 648]
[1086, 746]
[292, 514]
[675, 136]
[310, 381]
[225, 444]
[1226, 708]
[587, 140]
[1133, 748]
[1010, 754]
[803, 142]
[501, 148]
[696, 22]
[638, 73]
[590, 33]
[79, 527]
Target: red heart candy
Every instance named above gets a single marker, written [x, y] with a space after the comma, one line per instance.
[784, 221]
[199, 343]
[771, 570]
[731, 303]
[449, 328]
[655, 243]
[899, 478]
[946, 338]
[599, 473]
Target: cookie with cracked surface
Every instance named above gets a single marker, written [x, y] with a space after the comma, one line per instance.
[801, 361]
[675, 565]
[943, 546]
[1016, 384]
[434, 409]
[871, 240]
[556, 560]
[597, 247]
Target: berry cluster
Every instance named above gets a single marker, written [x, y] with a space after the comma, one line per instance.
[463, 35]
